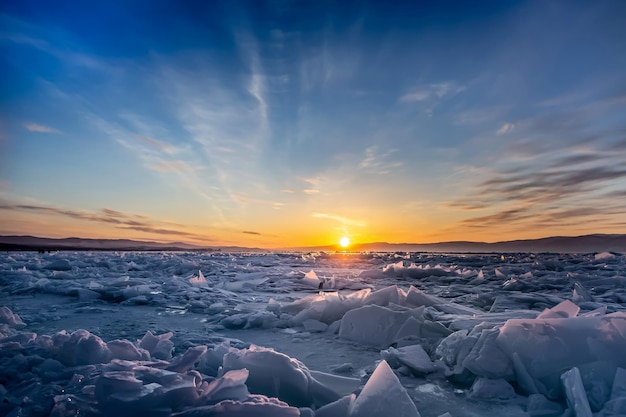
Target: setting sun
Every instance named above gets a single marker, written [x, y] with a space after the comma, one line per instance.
[344, 242]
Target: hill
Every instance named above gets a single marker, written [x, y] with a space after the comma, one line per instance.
[559, 244]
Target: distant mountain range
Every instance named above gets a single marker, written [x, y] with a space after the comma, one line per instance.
[560, 244]
[76, 243]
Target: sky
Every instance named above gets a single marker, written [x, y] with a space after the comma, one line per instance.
[295, 123]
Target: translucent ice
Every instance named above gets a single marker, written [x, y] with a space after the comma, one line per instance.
[123, 349]
[373, 325]
[160, 347]
[575, 392]
[414, 357]
[80, 348]
[547, 347]
[540, 406]
[199, 281]
[497, 389]
[7, 317]
[383, 394]
[563, 310]
[277, 375]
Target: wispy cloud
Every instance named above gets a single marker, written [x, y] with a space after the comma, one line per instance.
[561, 170]
[175, 166]
[165, 147]
[379, 162]
[108, 216]
[249, 48]
[416, 96]
[34, 127]
[479, 116]
[167, 232]
[506, 128]
[432, 91]
[312, 186]
[24, 40]
[26, 34]
[248, 232]
[340, 219]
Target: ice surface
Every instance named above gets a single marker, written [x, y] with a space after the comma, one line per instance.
[172, 334]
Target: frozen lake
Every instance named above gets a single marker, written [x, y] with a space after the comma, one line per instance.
[312, 334]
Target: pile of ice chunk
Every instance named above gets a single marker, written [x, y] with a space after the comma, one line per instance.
[545, 331]
[378, 318]
[517, 351]
[546, 356]
[121, 378]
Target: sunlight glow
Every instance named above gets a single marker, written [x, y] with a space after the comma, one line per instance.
[344, 242]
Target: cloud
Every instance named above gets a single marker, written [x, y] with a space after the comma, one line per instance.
[34, 127]
[377, 162]
[24, 40]
[343, 220]
[505, 129]
[248, 232]
[186, 165]
[174, 166]
[165, 147]
[169, 232]
[416, 96]
[565, 171]
[64, 54]
[250, 54]
[432, 91]
[553, 195]
[311, 186]
[479, 116]
[116, 218]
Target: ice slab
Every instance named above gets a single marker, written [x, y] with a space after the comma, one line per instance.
[8, 317]
[565, 309]
[495, 389]
[373, 325]
[277, 375]
[540, 406]
[547, 347]
[487, 359]
[383, 394]
[575, 392]
[413, 357]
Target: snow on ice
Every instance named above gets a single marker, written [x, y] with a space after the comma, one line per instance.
[326, 335]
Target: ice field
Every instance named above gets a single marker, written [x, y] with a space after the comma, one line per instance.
[213, 334]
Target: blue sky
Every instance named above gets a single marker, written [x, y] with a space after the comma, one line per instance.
[288, 123]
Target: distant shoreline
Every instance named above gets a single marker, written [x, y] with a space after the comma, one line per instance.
[5, 247]
[594, 243]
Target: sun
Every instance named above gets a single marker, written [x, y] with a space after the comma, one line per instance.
[344, 242]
